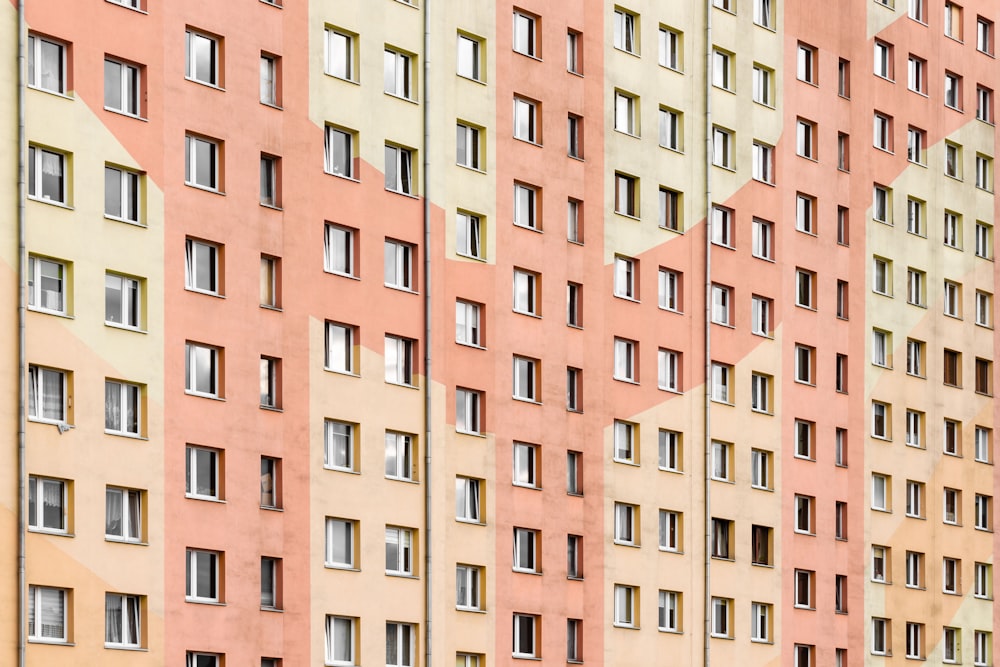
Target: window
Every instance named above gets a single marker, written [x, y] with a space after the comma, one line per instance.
[952, 506]
[804, 582]
[984, 376]
[47, 175]
[720, 382]
[340, 543]
[916, 75]
[763, 13]
[399, 169]
[400, 644]
[881, 418]
[399, 546]
[338, 153]
[122, 86]
[982, 646]
[915, 217]
[525, 627]
[574, 473]
[525, 550]
[671, 129]
[400, 361]
[524, 34]
[122, 626]
[763, 162]
[202, 58]
[844, 78]
[469, 235]
[804, 514]
[203, 576]
[626, 194]
[202, 159]
[840, 522]
[951, 637]
[669, 611]
[526, 206]
[984, 35]
[722, 534]
[952, 230]
[525, 120]
[760, 392]
[916, 140]
[952, 299]
[760, 545]
[47, 66]
[338, 250]
[467, 496]
[47, 394]
[525, 465]
[467, 328]
[953, 20]
[269, 181]
[202, 370]
[984, 240]
[721, 305]
[574, 557]
[670, 458]
[722, 147]
[122, 194]
[721, 617]
[760, 469]
[805, 432]
[670, 290]
[339, 56]
[670, 48]
[574, 298]
[399, 265]
[340, 640]
[722, 226]
[339, 449]
[671, 530]
[952, 160]
[626, 278]
[881, 348]
[122, 408]
[340, 351]
[625, 117]
[805, 63]
[47, 285]
[805, 213]
[625, 602]
[843, 152]
[805, 358]
[574, 221]
[882, 204]
[47, 614]
[915, 357]
[469, 61]
[270, 382]
[722, 459]
[668, 363]
[203, 478]
[984, 172]
[805, 288]
[915, 640]
[842, 299]
[47, 504]
[123, 512]
[841, 373]
[725, 5]
[467, 411]
[983, 581]
[269, 79]
[625, 31]
[953, 368]
[881, 492]
[467, 587]
[984, 512]
[722, 69]
[953, 91]
[914, 569]
[840, 448]
[574, 129]
[880, 564]
[400, 455]
[984, 444]
[917, 10]
[915, 498]
[626, 523]
[270, 482]
[270, 583]
[951, 568]
[763, 239]
[763, 85]
[843, 226]
[883, 60]
[883, 132]
[574, 56]
[625, 439]
[397, 73]
[270, 282]
[984, 104]
[882, 276]
[526, 380]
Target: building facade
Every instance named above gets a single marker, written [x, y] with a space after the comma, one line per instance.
[575, 332]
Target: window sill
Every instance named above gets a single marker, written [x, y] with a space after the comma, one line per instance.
[723, 245]
[626, 298]
[349, 276]
[399, 288]
[119, 112]
[631, 545]
[50, 202]
[273, 207]
[916, 516]
[626, 380]
[205, 499]
[630, 216]
[272, 508]
[204, 188]
[114, 325]
[766, 105]
[474, 257]
[770, 565]
[528, 55]
[273, 609]
[469, 522]
[211, 603]
[469, 78]
[271, 408]
[519, 570]
[119, 647]
[126, 435]
[468, 167]
[276, 309]
[623, 626]
[530, 142]
[670, 390]
[343, 568]
[574, 578]
[628, 134]
[402, 384]
[671, 310]
[48, 531]
[474, 434]
[401, 575]
[50, 642]
[883, 149]
[401, 98]
[213, 86]
[56, 93]
[271, 104]
[54, 422]
[469, 610]
[578, 158]
[340, 372]
[679, 552]
[346, 177]
[211, 397]
[401, 193]
[626, 462]
[526, 400]
[530, 228]
[36, 309]
[134, 9]
[205, 292]
[758, 487]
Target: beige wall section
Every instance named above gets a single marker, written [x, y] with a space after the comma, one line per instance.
[928, 464]
[85, 562]
[880, 16]
[8, 333]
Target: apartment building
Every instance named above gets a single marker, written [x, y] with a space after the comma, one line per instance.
[562, 331]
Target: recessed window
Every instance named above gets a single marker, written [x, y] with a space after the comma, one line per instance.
[805, 514]
[469, 235]
[398, 269]
[203, 56]
[201, 370]
[399, 169]
[984, 104]
[722, 69]
[48, 283]
[574, 304]
[270, 79]
[882, 276]
[398, 73]
[804, 584]
[47, 614]
[341, 640]
[123, 408]
[340, 54]
[526, 206]
[338, 152]
[526, 550]
[952, 160]
[763, 162]
[202, 161]
[47, 64]
[270, 583]
[626, 195]
[526, 379]
[525, 465]
[722, 226]
[122, 87]
[984, 309]
[722, 621]
[805, 63]
[270, 179]
[670, 210]
[525, 34]
[270, 482]
[670, 453]
[882, 125]
[468, 415]
[526, 286]
[270, 383]
[203, 576]
[48, 394]
[467, 323]
[626, 523]
[844, 78]
[48, 502]
[670, 48]
[338, 250]
[48, 175]
[574, 53]
[953, 91]
[721, 305]
[916, 74]
[625, 113]
[625, 31]
[722, 147]
[574, 221]
[760, 315]
[805, 360]
[203, 473]
[763, 85]
[625, 442]
[467, 495]
[722, 461]
[574, 389]
[915, 216]
[399, 547]
[270, 282]
[669, 370]
[340, 543]
[526, 115]
[469, 60]
[122, 623]
[883, 60]
[467, 146]
[722, 536]
[625, 606]
[721, 378]
[400, 361]
[525, 629]
[123, 514]
[122, 194]
[626, 279]
[670, 289]
[671, 129]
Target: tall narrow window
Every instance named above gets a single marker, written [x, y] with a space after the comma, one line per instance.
[397, 74]
[121, 621]
[122, 87]
[47, 64]
[269, 180]
[269, 79]
[122, 196]
[202, 58]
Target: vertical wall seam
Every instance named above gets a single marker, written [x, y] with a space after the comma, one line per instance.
[22, 261]
[428, 416]
[707, 601]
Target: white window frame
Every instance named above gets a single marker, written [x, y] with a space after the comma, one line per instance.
[122, 191]
[338, 54]
[126, 610]
[525, 640]
[669, 55]
[197, 581]
[121, 399]
[669, 370]
[467, 145]
[197, 150]
[625, 113]
[44, 495]
[671, 129]
[625, 613]
[524, 35]
[525, 371]
[722, 147]
[525, 465]
[763, 86]
[624, 442]
[338, 447]
[468, 411]
[269, 79]
[340, 630]
[48, 285]
[722, 69]
[626, 278]
[400, 453]
[194, 44]
[468, 57]
[48, 394]
[671, 531]
[399, 265]
[760, 622]
[397, 74]
[399, 166]
[40, 65]
[400, 361]
[625, 31]
[669, 611]
[123, 514]
[123, 80]
[203, 473]
[763, 163]
[405, 546]
[669, 290]
[626, 528]
[347, 529]
[338, 152]
[338, 250]
[468, 494]
[526, 207]
[526, 544]
[48, 175]
[468, 582]
[339, 349]
[199, 382]
[48, 614]
[721, 382]
[760, 315]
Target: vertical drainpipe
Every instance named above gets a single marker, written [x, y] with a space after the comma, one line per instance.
[708, 333]
[22, 261]
[428, 428]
